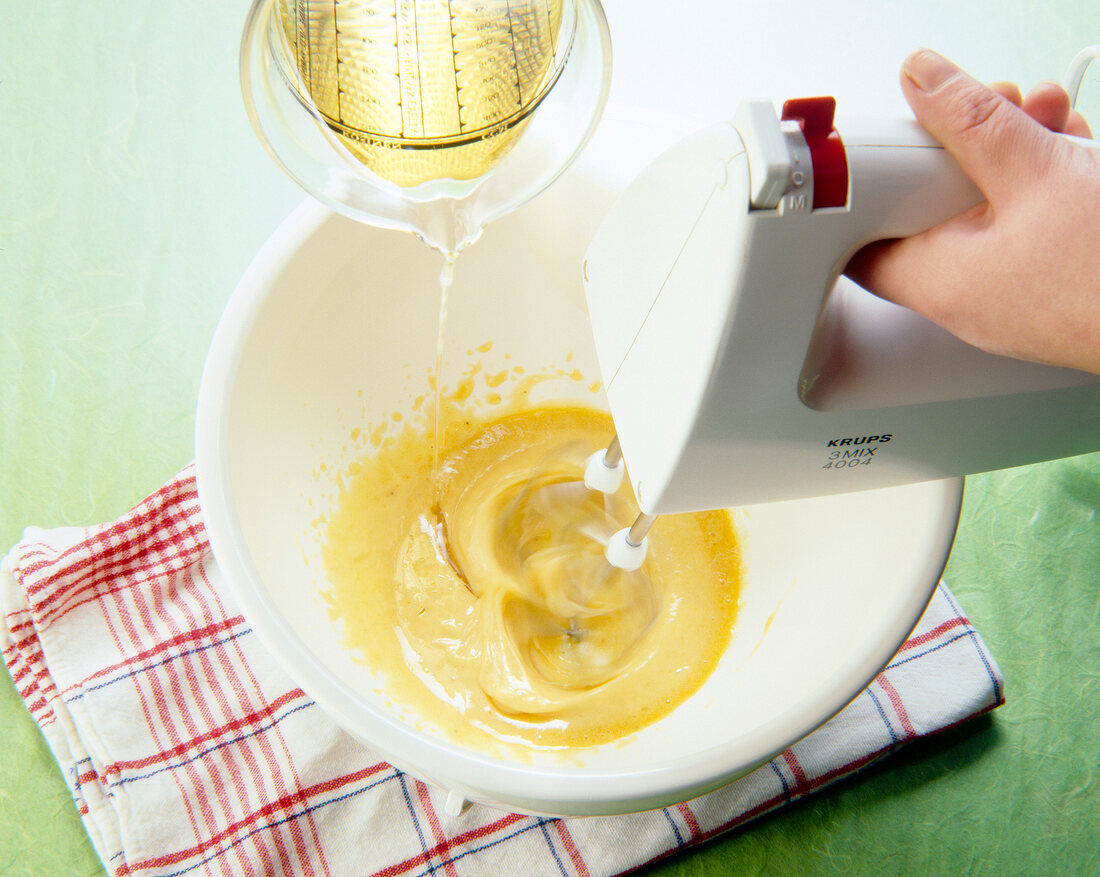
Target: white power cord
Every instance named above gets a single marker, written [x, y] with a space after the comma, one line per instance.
[1076, 73]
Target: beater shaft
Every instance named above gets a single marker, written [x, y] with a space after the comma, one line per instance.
[614, 453]
[638, 530]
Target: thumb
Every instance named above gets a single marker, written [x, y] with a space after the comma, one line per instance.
[996, 143]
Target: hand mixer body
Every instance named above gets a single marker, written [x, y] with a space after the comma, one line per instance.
[740, 370]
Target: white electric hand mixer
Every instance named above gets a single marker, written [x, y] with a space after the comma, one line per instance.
[738, 368]
[735, 371]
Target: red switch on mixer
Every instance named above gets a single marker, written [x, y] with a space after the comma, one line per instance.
[814, 116]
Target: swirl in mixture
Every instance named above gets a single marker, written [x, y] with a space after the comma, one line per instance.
[492, 592]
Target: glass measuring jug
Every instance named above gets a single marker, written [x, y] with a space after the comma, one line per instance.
[426, 90]
[425, 115]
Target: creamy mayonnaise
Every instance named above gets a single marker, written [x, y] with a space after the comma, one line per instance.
[483, 597]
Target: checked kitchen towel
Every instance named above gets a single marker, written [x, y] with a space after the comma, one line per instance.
[188, 751]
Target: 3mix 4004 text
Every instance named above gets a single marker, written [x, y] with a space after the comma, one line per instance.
[849, 458]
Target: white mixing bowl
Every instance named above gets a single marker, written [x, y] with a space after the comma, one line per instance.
[333, 327]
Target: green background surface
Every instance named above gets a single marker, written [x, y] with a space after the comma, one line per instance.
[132, 196]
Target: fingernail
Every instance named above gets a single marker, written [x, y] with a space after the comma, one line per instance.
[928, 70]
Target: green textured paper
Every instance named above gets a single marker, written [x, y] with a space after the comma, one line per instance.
[133, 194]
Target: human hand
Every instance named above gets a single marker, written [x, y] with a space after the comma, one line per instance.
[1019, 274]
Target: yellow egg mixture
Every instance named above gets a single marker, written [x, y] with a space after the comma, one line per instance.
[483, 597]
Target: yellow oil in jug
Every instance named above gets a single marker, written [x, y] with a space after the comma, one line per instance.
[422, 90]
